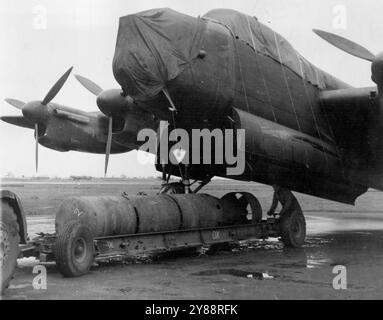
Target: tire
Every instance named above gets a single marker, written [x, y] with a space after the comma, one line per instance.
[255, 206]
[9, 244]
[74, 250]
[246, 199]
[293, 229]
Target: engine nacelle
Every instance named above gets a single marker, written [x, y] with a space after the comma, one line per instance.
[377, 70]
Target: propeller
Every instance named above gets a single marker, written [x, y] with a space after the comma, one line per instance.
[37, 112]
[37, 147]
[108, 144]
[16, 103]
[19, 121]
[111, 103]
[89, 84]
[358, 51]
[56, 88]
[346, 45]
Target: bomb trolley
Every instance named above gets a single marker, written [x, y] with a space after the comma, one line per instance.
[103, 229]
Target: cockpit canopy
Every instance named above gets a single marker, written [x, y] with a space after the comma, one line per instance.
[264, 40]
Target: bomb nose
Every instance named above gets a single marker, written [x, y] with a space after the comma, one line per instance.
[154, 47]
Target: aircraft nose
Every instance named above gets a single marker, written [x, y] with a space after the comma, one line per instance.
[154, 47]
[35, 111]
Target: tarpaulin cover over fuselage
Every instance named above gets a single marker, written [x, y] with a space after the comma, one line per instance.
[154, 47]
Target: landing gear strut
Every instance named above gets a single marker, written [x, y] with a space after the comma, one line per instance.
[179, 187]
[183, 186]
[172, 188]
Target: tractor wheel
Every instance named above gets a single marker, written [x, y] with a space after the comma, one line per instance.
[293, 229]
[74, 250]
[9, 244]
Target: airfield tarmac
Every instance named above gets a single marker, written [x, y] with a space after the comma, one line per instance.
[337, 235]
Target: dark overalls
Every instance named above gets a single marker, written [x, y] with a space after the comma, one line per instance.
[287, 200]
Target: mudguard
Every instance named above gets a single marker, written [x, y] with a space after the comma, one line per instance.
[15, 202]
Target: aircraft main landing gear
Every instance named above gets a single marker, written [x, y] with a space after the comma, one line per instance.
[172, 188]
[292, 226]
[183, 186]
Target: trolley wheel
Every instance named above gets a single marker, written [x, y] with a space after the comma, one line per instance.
[293, 229]
[9, 243]
[251, 207]
[74, 249]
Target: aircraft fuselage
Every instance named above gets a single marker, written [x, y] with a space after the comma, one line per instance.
[253, 76]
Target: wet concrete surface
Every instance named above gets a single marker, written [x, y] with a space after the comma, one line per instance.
[252, 270]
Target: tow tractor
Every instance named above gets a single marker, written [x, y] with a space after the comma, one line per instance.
[99, 229]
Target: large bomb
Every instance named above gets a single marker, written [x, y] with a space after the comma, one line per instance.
[121, 215]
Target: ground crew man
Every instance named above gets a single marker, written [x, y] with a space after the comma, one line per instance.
[287, 200]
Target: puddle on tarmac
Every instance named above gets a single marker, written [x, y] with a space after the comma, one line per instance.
[317, 242]
[314, 263]
[20, 286]
[310, 262]
[270, 244]
[236, 273]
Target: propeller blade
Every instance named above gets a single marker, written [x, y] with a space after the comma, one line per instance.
[56, 88]
[108, 144]
[37, 147]
[346, 45]
[15, 103]
[19, 121]
[89, 85]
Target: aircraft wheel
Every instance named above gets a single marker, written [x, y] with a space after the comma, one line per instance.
[251, 207]
[74, 250]
[9, 244]
[173, 188]
[293, 229]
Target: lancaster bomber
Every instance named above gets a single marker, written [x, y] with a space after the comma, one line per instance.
[305, 130]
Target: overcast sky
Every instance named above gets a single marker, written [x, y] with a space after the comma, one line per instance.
[36, 52]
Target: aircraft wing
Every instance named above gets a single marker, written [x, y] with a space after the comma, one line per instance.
[353, 116]
[356, 122]
[346, 101]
